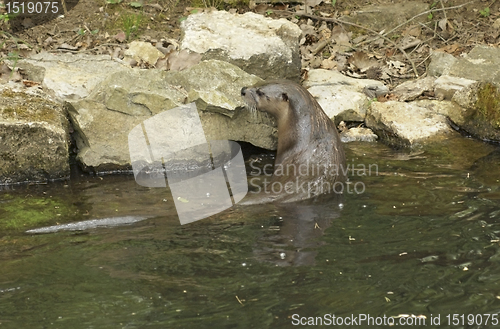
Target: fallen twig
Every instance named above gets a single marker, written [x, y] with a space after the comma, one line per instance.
[424, 13]
[338, 21]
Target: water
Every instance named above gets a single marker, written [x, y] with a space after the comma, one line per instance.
[422, 241]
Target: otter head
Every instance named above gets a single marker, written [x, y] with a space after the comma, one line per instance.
[268, 97]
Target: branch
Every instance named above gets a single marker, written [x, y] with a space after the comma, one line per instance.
[427, 12]
[338, 21]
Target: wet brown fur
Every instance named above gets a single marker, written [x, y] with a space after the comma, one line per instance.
[306, 135]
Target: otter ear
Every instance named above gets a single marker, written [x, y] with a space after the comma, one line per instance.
[284, 96]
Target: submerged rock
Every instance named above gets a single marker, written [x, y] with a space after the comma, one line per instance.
[89, 224]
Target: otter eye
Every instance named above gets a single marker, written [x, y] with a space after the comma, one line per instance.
[285, 97]
[259, 93]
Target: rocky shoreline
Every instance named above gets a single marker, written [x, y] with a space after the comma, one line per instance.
[95, 100]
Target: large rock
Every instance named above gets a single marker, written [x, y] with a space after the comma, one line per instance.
[481, 117]
[340, 97]
[33, 137]
[471, 81]
[405, 124]
[261, 46]
[125, 99]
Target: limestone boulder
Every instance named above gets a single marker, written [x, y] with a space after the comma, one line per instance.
[262, 46]
[405, 124]
[34, 137]
[143, 52]
[481, 114]
[104, 119]
[68, 76]
[410, 90]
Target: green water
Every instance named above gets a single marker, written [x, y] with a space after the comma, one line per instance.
[422, 240]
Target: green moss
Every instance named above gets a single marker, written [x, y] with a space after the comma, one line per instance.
[22, 106]
[8, 93]
[488, 104]
[23, 213]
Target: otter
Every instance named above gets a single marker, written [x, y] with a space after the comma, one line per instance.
[310, 160]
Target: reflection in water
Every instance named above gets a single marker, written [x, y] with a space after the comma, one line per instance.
[88, 224]
[297, 231]
[423, 239]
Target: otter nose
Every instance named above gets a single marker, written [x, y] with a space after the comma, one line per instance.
[243, 90]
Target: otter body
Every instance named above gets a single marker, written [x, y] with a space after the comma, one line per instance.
[310, 160]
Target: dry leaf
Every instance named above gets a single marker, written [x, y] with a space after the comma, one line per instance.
[328, 64]
[341, 39]
[413, 31]
[29, 83]
[120, 36]
[450, 49]
[442, 24]
[409, 42]
[361, 61]
[178, 61]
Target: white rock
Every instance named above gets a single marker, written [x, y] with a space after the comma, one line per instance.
[405, 124]
[340, 96]
[262, 46]
[68, 76]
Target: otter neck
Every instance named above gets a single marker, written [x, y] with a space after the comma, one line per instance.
[287, 140]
